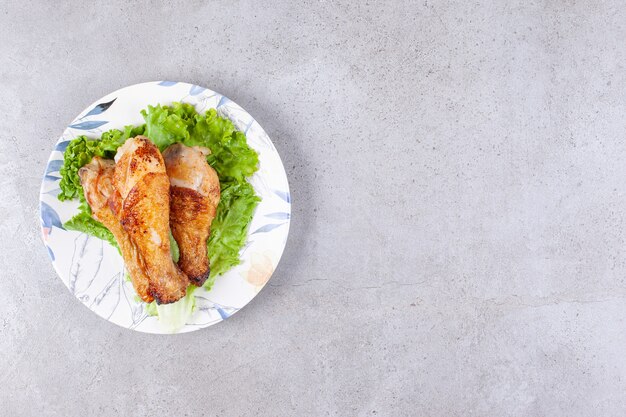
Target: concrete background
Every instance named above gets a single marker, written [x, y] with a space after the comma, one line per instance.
[457, 244]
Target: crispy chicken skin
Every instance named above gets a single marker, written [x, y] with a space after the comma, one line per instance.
[142, 202]
[97, 180]
[194, 196]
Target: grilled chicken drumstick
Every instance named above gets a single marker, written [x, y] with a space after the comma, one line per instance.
[142, 203]
[97, 180]
[195, 194]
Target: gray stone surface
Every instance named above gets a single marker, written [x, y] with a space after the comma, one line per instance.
[457, 244]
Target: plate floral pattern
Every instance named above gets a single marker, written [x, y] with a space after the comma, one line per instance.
[94, 271]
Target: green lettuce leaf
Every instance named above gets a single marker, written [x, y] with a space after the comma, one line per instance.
[174, 316]
[230, 227]
[174, 249]
[230, 155]
[151, 308]
[166, 125]
[79, 153]
[83, 222]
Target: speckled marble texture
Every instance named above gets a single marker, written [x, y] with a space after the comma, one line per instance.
[457, 245]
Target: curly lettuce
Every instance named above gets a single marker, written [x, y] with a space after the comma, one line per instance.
[83, 222]
[230, 156]
[230, 226]
[80, 151]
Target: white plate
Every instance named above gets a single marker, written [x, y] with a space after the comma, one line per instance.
[94, 271]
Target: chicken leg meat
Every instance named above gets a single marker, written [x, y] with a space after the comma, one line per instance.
[142, 202]
[195, 194]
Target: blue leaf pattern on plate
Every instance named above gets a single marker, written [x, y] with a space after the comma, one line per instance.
[54, 192]
[62, 146]
[50, 253]
[245, 132]
[49, 217]
[52, 178]
[224, 314]
[88, 125]
[167, 83]
[278, 216]
[223, 100]
[267, 228]
[100, 108]
[54, 166]
[206, 305]
[284, 195]
[196, 89]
